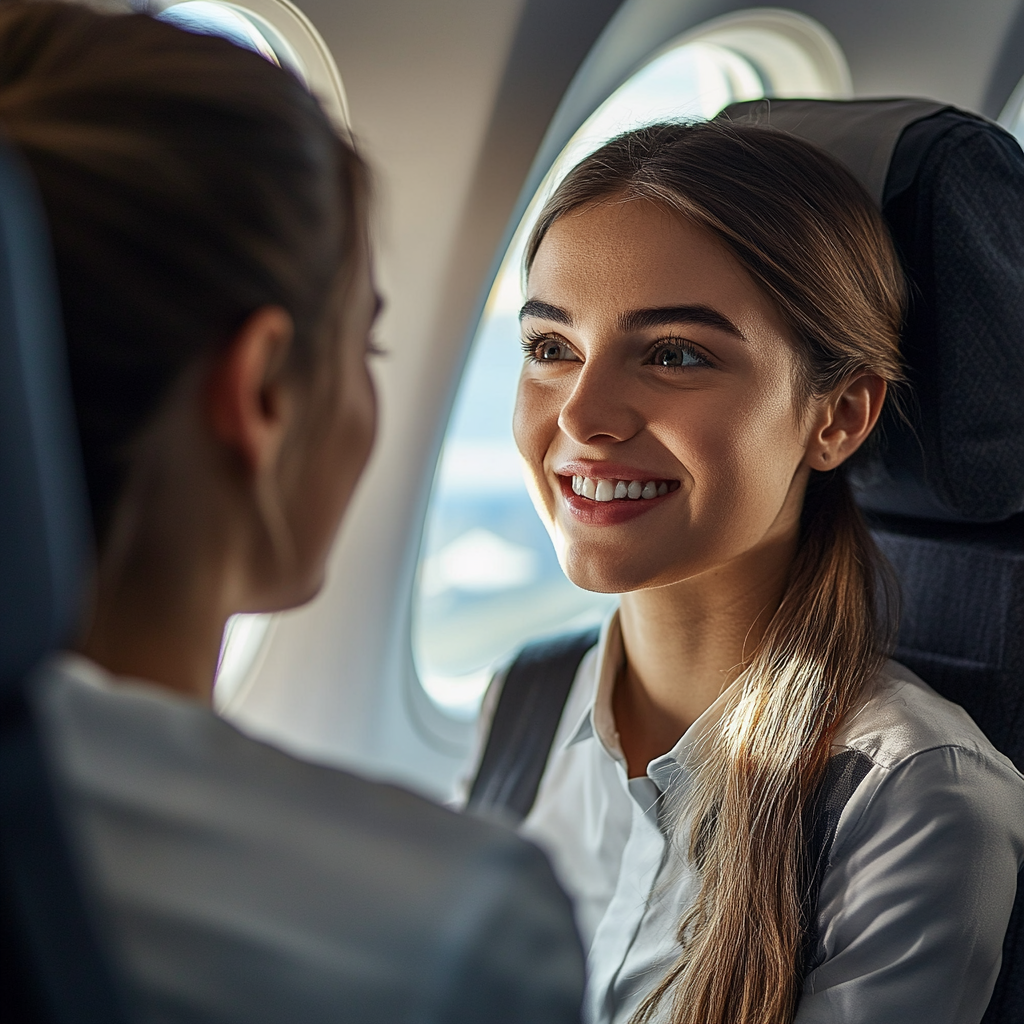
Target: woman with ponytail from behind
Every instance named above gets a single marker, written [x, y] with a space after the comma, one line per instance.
[210, 234]
[761, 817]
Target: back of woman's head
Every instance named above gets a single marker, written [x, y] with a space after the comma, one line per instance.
[810, 238]
[187, 183]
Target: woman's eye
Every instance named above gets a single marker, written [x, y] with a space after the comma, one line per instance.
[548, 350]
[676, 355]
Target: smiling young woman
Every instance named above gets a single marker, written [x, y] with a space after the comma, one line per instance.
[711, 329]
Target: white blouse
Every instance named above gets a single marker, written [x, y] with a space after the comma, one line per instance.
[919, 885]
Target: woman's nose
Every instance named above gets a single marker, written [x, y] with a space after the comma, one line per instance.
[598, 409]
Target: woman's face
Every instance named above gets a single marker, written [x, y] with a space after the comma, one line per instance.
[656, 367]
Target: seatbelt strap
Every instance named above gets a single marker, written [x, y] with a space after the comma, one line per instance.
[525, 721]
[844, 772]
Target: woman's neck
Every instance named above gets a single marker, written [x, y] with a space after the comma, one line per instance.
[159, 619]
[686, 643]
[173, 567]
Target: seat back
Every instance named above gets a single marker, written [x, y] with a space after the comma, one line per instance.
[962, 630]
[51, 969]
[945, 488]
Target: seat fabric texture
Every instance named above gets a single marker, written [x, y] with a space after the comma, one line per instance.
[962, 590]
[52, 970]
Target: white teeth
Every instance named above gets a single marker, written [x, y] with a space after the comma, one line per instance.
[616, 490]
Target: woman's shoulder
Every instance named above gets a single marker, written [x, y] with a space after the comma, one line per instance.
[919, 840]
[161, 758]
[903, 717]
[200, 837]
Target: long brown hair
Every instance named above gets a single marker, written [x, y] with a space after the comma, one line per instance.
[811, 238]
[187, 183]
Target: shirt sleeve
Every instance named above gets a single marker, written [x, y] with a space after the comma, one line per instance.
[914, 906]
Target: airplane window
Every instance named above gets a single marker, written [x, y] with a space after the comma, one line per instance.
[282, 34]
[488, 578]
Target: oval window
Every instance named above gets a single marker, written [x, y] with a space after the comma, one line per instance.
[208, 17]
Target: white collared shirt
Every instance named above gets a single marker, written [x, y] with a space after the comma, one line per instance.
[917, 893]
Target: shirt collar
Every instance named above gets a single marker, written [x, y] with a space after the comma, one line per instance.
[693, 745]
[598, 720]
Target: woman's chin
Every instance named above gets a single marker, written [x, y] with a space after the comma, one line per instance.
[608, 572]
[594, 587]
[293, 594]
[601, 578]
[305, 592]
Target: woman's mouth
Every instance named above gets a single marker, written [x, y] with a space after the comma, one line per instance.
[595, 501]
[619, 490]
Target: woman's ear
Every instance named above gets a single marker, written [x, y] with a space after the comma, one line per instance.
[844, 422]
[249, 404]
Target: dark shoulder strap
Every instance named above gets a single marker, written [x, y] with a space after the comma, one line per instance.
[843, 774]
[529, 709]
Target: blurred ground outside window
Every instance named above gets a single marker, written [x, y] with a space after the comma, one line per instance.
[488, 578]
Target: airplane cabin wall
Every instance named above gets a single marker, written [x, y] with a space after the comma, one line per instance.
[461, 105]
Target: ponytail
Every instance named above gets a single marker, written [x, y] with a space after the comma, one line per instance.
[829, 636]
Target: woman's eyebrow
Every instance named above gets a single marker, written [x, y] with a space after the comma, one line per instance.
[546, 311]
[667, 316]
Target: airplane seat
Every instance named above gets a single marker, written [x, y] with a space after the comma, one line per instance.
[52, 968]
[944, 487]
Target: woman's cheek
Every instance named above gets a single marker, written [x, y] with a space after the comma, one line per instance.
[531, 437]
[533, 425]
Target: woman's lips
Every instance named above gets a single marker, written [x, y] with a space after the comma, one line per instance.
[602, 502]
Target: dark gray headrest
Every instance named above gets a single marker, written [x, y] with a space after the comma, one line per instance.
[860, 133]
[43, 517]
[951, 187]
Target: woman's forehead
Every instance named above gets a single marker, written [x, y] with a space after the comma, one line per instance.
[618, 256]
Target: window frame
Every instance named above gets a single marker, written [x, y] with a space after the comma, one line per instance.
[283, 23]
